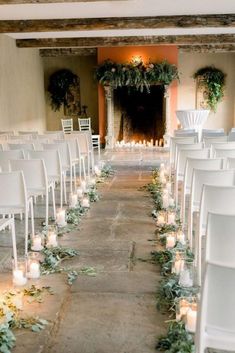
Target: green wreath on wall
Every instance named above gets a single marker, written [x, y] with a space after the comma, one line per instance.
[212, 81]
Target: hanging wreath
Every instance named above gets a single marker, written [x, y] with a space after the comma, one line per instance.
[60, 84]
[137, 75]
[212, 81]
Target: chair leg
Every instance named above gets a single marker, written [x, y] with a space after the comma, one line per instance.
[32, 217]
[64, 184]
[13, 236]
[47, 208]
[26, 228]
[71, 179]
[74, 177]
[61, 191]
[53, 201]
[84, 169]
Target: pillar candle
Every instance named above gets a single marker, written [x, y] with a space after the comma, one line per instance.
[191, 320]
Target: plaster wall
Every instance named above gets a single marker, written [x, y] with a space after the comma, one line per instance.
[22, 99]
[188, 64]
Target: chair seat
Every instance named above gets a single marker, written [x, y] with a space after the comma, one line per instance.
[12, 209]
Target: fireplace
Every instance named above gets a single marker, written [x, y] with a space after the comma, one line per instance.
[135, 115]
[139, 116]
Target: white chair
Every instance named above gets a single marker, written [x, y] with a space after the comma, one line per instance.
[53, 167]
[84, 124]
[54, 135]
[181, 162]
[76, 155]
[6, 156]
[9, 133]
[208, 141]
[199, 178]
[67, 125]
[191, 164]
[231, 135]
[216, 319]
[14, 199]
[10, 223]
[220, 239]
[85, 147]
[230, 163]
[224, 153]
[32, 133]
[21, 137]
[36, 180]
[21, 146]
[66, 160]
[212, 133]
[222, 146]
[216, 199]
[186, 146]
[181, 140]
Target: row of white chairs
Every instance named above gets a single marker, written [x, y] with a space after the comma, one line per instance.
[205, 133]
[216, 312]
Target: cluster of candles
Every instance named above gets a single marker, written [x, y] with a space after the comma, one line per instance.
[186, 310]
[166, 217]
[167, 199]
[139, 144]
[184, 268]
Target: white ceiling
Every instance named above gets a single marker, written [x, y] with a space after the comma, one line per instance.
[126, 8]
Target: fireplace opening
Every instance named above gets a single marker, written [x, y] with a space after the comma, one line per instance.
[139, 116]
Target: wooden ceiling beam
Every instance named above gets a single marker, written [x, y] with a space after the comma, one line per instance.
[68, 52]
[126, 41]
[84, 24]
[207, 48]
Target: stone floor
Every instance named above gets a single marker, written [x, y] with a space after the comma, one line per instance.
[115, 310]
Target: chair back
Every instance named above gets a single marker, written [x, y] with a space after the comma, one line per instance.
[12, 190]
[34, 171]
[6, 156]
[217, 199]
[199, 163]
[208, 141]
[32, 133]
[231, 135]
[212, 133]
[21, 137]
[186, 133]
[189, 153]
[21, 146]
[53, 135]
[185, 146]
[67, 125]
[224, 153]
[181, 140]
[220, 239]
[64, 151]
[84, 124]
[230, 163]
[51, 159]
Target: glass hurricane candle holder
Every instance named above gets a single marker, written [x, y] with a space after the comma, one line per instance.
[171, 217]
[191, 318]
[85, 202]
[161, 218]
[33, 265]
[170, 240]
[182, 306]
[61, 217]
[51, 237]
[178, 261]
[37, 242]
[165, 198]
[80, 193]
[180, 236]
[19, 272]
[83, 185]
[97, 171]
[186, 276]
[73, 200]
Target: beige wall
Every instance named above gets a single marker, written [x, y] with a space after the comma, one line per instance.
[83, 66]
[189, 63]
[22, 99]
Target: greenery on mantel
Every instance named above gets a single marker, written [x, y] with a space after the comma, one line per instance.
[59, 87]
[212, 81]
[136, 74]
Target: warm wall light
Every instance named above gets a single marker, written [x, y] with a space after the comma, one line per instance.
[136, 59]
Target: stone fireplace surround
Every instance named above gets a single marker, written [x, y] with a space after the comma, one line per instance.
[109, 99]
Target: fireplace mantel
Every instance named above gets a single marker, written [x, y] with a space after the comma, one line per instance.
[109, 99]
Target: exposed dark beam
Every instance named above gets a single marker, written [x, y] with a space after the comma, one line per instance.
[83, 24]
[125, 41]
[217, 48]
[68, 52]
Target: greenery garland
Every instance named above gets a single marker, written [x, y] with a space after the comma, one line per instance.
[212, 81]
[60, 83]
[138, 75]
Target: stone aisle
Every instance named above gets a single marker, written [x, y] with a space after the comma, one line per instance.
[116, 310]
